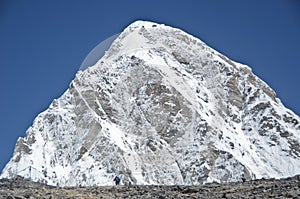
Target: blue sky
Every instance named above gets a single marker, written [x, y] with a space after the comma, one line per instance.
[42, 44]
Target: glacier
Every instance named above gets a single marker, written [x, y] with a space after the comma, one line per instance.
[160, 107]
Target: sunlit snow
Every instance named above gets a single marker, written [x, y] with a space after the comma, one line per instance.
[155, 105]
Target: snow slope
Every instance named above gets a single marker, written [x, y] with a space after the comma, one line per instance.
[160, 107]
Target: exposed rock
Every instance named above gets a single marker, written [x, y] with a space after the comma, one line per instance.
[283, 188]
[160, 107]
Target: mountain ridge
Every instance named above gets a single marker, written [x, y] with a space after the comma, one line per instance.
[160, 107]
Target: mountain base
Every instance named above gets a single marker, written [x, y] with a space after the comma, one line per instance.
[270, 188]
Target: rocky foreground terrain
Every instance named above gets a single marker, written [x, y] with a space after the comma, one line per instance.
[20, 188]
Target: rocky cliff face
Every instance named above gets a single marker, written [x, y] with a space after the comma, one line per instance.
[161, 107]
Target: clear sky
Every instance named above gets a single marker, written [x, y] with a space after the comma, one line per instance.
[42, 45]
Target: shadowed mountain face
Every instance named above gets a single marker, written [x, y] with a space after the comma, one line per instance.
[160, 107]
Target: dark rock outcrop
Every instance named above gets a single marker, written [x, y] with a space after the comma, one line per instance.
[284, 188]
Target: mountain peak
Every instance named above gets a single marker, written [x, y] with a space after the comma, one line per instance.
[160, 107]
[142, 23]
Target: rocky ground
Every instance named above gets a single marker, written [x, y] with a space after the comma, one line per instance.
[285, 188]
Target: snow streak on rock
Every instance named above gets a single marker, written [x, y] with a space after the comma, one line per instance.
[160, 107]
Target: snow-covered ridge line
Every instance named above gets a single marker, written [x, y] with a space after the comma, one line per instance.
[160, 107]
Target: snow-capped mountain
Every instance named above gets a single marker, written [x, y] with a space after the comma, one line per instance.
[160, 107]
